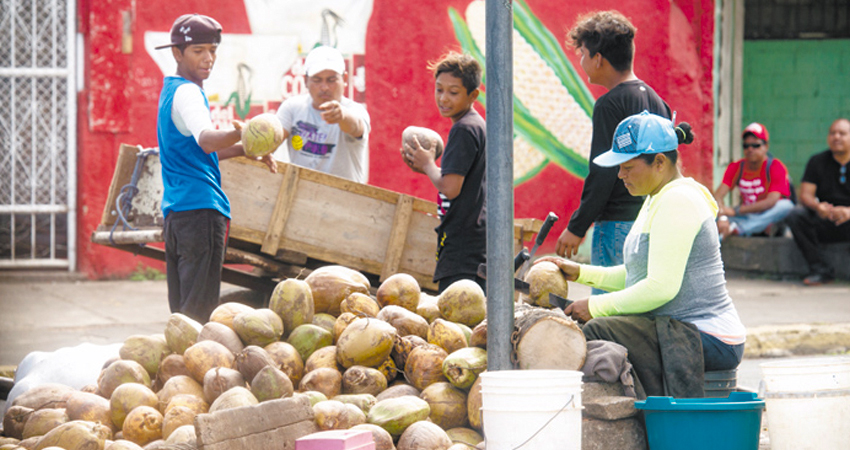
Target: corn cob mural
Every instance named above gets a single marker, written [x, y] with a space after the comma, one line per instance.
[552, 106]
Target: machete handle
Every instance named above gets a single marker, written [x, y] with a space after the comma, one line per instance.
[521, 258]
[544, 230]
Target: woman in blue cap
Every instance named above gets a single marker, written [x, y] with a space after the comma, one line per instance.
[668, 303]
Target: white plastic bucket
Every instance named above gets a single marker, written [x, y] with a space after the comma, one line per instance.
[534, 409]
[808, 403]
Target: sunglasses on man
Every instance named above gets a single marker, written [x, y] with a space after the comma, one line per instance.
[746, 146]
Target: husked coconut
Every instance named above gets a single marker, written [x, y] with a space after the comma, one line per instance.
[401, 290]
[462, 366]
[362, 401]
[342, 322]
[220, 379]
[15, 421]
[363, 380]
[448, 405]
[427, 139]
[335, 415]
[225, 312]
[48, 395]
[365, 342]
[44, 420]
[221, 333]
[424, 366]
[402, 348]
[466, 436]
[424, 435]
[398, 391]
[428, 307]
[308, 338]
[175, 418]
[324, 320]
[271, 383]
[448, 335]
[120, 372]
[383, 440]
[142, 425]
[330, 285]
[251, 360]
[473, 405]
[196, 404]
[360, 304]
[76, 434]
[288, 359]
[396, 414]
[323, 357]
[180, 384]
[259, 327]
[181, 332]
[479, 335]
[128, 396]
[463, 302]
[172, 365]
[404, 321]
[236, 397]
[149, 351]
[206, 355]
[325, 380]
[544, 278]
[292, 300]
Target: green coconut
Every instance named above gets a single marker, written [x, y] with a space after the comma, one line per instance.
[324, 320]
[335, 415]
[175, 418]
[424, 435]
[76, 434]
[286, 356]
[181, 332]
[463, 366]
[448, 405]
[219, 380]
[396, 414]
[323, 357]
[271, 383]
[463, 302]
[292, 300]
[143, 425]
[225, 312]
[149, 351]
[44, 420]
[363, 380]
[259, 327]
[205, 355]
[332, 284]
[424, 366]
[325, 380]
[401, 290]
[120, 372]
[404, 321]
[365, 342]
[402, 348]
[466, 436]
[383, 440]
[221, 333]
[448, 335]
[363, 401]
[176, 385]
[128, 396]
[236, 397]
[308, 338]
[183, 437]
[360, 304]
[314, 396]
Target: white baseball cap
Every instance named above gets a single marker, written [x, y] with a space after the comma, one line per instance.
[324, 58]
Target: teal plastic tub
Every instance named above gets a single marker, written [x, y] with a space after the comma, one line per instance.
[731, 423]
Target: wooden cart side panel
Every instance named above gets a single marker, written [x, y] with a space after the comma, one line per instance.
[398, 235]
[252, 193]
[282, 208]
[123, 174]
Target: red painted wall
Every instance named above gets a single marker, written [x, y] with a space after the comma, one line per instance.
[119, 99]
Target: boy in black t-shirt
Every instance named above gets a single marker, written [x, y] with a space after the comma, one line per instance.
[461, 236]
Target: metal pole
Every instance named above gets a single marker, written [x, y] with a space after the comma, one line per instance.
[500, 195]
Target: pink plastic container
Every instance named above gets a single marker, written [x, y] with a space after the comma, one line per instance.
[337, 440]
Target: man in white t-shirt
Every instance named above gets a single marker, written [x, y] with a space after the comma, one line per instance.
[324, 130]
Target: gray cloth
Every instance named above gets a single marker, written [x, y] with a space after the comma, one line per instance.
[608, 362]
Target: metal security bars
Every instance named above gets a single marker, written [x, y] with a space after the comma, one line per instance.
[37, 134]
[797, 19]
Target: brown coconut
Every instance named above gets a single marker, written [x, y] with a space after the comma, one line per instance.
[234, 398]
[331, 284]
[427, 138]
[342, 322]
[183, 438]
[402, 348]
[448, 405]
[324, 320]
[15, 421]
[259, 327]
[383, 440]
[389, 369]
[181, 332]
[225, 312]
[448, 335]
[325, 380]
[463, 366]
[463, 302]
[366, 342]
[175, 418]
[128, 396]
[193, 402]
[76, 434]
[308, 338]
[120, 372]
[396, 414]
[292, 300]
[404, 321]
[44, 420]
[544, 278]
[205, 355]
[224, 335]
[90, 407]
[466, 436]
[48, 395]
[424, 366]
[122, 444]
[401, 290]
[335, 415]
[363, 380]
[478, 338]
[360, 304]
[180, 384]
[323, 357]
[424, 435]
[172, 365]
[219, 379]
[149, 351]
[428, 307]
[363, 401]
[271, 383]
[251, 359]
[473, 405]
[398, 391]
[142, 425]
[288, 359]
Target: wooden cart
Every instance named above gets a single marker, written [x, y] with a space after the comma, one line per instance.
[286, 224]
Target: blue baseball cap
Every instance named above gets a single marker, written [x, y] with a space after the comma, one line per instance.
[639, 134]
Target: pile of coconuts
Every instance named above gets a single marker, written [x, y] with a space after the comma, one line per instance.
[399, 364]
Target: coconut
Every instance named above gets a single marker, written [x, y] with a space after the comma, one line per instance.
[171, 366]
[463, 302]
[324, 320]
[424, 366]
[251, 360]
[389, 369]
[225, 312]
[120, 372]
[401, 290]
[30, 443]
[462, 366]
[402, 348]
[160, 444]
[219, 379]
[122, 444]
[271, 383]
[448, 405]
[236, 397]
[15, 421]
[48, 395]
[197, 404]
[331, 285]
[404, 321]
[128, 396]
[308, 338]
[325, 380]
[424, 435]
[142, 425]
[428, 308]
[185, 435]
[544, 278]
[447, 335]
[180, 384]
[259, 327]
[288, 359]
[206, 355]
[478, 338]
[292, 300]
[76, 434]
[221, 333]
[44, 420]
[460, 446]
[175, 418]
[473, 405]
[363, 380]
[181, 332]
[335, 415]
[323, 357]
[342, 322]
[383, 440]
[360, 304]
[314, 396]
[398, 391]
[466, 436]
[427, 138]
[396, 414]
[148, 351]
[362, 401]
[262, 135]
[366, 342]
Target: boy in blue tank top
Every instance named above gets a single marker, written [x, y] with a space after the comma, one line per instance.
[196, 210]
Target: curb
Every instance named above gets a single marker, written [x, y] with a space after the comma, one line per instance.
[772, 341]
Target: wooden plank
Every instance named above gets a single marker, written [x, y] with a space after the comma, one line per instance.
[127, 237]
[242, 428]
[282, 207]
[124, 167]
[395, 244]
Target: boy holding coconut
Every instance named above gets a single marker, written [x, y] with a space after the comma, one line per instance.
[461, 236]
[196, 210]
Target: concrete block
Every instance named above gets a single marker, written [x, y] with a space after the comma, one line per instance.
[626, 434]
[778, 256]
[609, 408]
[591, 390]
